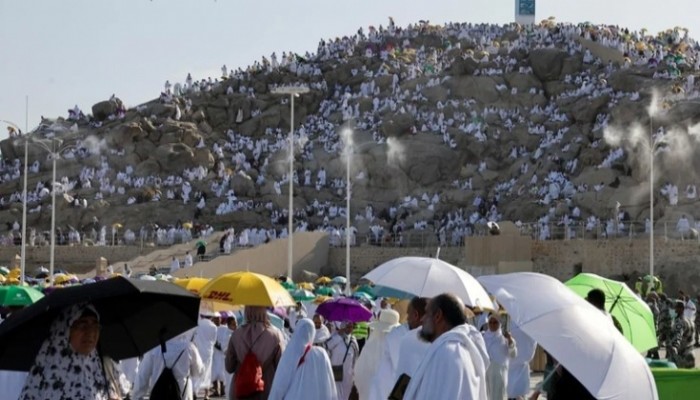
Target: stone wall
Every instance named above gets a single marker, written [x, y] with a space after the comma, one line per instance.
[77, 259]
[676, 261]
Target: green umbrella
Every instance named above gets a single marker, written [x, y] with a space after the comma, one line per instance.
[18, 296]
[303, 295]
[324, 291]
[366, 289]
[632, 312]
[288, 285]
[362, 296]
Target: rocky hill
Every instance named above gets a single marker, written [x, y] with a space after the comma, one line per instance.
[451, 126]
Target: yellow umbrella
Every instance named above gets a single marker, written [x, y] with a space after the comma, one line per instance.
[60, 279]
[187, 225]
[247, 289]
[194, 285]
[117, 225]
[324, 280]
[306, 285]
[217, 306]
[321, 299]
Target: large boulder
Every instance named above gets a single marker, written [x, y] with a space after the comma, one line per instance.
[102, 110]
[547, 64]
[174, 157]
[480, 88]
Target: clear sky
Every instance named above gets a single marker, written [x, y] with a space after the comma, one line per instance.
[66, 52]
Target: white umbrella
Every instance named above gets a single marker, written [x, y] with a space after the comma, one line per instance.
[429, 277]
[574, 332]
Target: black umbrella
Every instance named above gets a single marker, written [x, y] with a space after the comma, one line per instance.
[135, 315]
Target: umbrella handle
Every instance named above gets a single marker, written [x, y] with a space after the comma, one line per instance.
[617, 298]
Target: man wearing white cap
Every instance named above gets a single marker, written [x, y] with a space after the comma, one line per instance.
[369, 359]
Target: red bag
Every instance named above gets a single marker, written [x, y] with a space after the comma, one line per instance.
[248, 379]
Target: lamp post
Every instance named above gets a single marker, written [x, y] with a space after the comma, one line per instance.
[23, 250]
[349, 149]
[651, 195]
[292, 91]
[55, 154]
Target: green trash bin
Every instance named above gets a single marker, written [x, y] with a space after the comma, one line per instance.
[677, 384]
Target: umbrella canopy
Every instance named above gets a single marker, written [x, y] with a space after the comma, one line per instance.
[135, 317]
[18, 296]
[303, 295]
[288, 285]
[344, 309]
[362, 296]
[306, 286]
[324, 291]
[247, 289]
[194, 285]
[632, 312]
[575, 333]
[427, 277]
[366, 289]
[324, 280]
[340, 280]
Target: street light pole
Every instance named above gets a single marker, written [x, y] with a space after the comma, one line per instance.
[651, 196]
[292, 91]
[54, 156]
[290, 216]
[23, 250]
[24, 210]
[347, 215]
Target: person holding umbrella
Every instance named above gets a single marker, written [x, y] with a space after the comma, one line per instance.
[68, 364]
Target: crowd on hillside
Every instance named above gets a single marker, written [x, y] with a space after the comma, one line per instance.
[397, 71]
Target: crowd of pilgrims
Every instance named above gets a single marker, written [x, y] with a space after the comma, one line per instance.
[442, 350]
[543, 175]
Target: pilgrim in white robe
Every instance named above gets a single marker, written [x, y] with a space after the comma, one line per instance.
[204, 339]
[181, 356]
[368, 361]
[384, 379]
[130, 369]
[519, 367]
[412, 349]
[500, 352]
[322, 335]
[451, 369]
[12, 383]
[478, 339]
[338, 347]
[218, 371]
[304, 371]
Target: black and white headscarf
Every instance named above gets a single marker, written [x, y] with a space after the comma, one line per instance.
[59, 373]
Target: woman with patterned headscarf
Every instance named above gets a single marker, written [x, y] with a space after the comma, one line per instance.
[68, 365]
[263, 339]
[304, 372]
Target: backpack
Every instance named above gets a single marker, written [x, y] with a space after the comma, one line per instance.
[166, 387]
[248, 379]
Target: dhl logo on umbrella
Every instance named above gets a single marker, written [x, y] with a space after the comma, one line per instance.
[216, 295]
